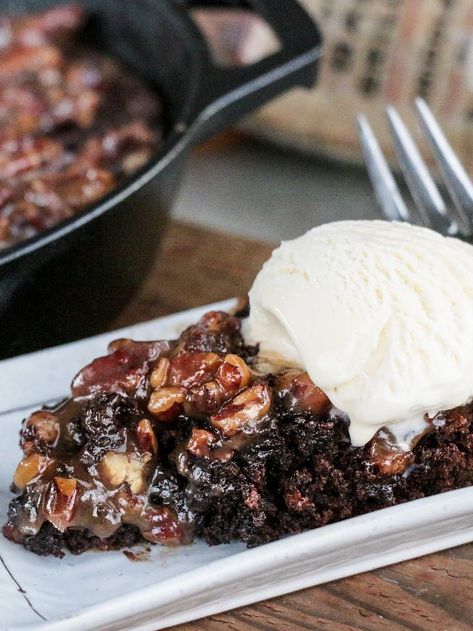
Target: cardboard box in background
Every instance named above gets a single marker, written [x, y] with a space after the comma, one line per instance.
[378, 52]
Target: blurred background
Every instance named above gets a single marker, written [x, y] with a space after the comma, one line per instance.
[251, 188]
[296, 163]
[78, 124]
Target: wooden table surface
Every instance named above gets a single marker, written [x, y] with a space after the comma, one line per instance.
[195, 267]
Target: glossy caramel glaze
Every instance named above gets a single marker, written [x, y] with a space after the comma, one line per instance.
[165, 441]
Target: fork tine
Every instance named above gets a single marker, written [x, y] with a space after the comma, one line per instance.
[426, 195]
[458, 183]
[384, 185]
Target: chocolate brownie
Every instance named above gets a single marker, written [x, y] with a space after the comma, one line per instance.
[167, 441]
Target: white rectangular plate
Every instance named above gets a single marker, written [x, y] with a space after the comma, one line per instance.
[106, 591]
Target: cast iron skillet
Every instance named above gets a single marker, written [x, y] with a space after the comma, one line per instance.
[69, 281]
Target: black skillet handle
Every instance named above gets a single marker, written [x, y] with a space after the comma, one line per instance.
[228, 94]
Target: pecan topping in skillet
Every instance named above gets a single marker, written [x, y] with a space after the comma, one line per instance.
[73, 122]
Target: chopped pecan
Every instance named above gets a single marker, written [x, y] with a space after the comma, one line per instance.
[244, 411]
[233, 374]
[118, 468]
[29, 469]
[146, 437]
[123, 370]
[192, 368]
[40, 430]
[163, 527]
[299, 393]
[220, 322]
[53, 24]
[385, 456]
[60, 501]
[200, 443]
[27, 155]
[125, 148]
[164, 399]
[21, 61]
[160, 373]
[204, 444]
[210, 379]
[206, 398]
[216, 332]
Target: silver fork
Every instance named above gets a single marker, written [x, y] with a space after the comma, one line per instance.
[432, 209]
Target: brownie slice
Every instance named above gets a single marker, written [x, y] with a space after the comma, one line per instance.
[168, 441]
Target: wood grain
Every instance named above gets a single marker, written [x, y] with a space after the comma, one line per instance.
[195, 267]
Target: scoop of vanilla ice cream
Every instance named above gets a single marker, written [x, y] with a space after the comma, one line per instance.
[380, 315]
